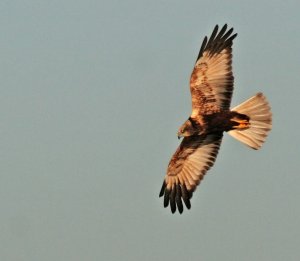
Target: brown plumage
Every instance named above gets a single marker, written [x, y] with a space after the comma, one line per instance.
[211, 87]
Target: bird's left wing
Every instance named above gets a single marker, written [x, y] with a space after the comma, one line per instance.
[211, 82]
[190, 162]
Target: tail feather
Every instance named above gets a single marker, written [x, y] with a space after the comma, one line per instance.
[260, 118]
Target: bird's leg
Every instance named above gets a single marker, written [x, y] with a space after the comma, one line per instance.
[240, 123]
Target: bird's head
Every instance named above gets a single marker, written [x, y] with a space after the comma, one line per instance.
[189, 128]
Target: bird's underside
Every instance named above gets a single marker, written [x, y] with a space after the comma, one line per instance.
[211, 87]
[195, 155]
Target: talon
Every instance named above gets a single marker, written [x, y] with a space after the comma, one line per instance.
[242, 124]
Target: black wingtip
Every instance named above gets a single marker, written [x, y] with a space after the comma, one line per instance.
[175, 196]
[224, 28]
[216, 28]
[162, 190]
[172, 200]
[232, 37]
[166, 198]
[217, 41]
[186, 195]
[202, 47]
[178, 199]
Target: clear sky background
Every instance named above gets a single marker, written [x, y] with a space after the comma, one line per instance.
[91, 96]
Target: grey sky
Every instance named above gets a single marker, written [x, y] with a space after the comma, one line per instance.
[92, 94]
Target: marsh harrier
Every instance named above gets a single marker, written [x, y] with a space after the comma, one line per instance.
[211, 86]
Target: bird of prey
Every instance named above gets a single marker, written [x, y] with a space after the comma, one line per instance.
[211, 87]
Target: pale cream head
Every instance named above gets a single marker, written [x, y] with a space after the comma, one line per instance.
[188, 129]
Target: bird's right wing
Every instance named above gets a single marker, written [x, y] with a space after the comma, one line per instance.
[190, 162]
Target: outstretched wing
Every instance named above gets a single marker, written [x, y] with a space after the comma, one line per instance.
[211, 82]
[190, 162]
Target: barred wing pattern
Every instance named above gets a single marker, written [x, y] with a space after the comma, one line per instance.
[190, 162]
[211, 82]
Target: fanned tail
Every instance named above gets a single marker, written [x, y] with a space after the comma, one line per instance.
[260, 121]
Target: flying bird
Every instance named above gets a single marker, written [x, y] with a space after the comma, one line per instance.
[211, 87]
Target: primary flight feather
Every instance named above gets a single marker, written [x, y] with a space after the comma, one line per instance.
[211, 86]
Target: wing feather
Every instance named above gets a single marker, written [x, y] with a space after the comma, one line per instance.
[178, 198]
[190, 162]
[211, 82]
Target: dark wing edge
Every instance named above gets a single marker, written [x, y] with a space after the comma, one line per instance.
[217, 41]
[211, 82]
[180, 191]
